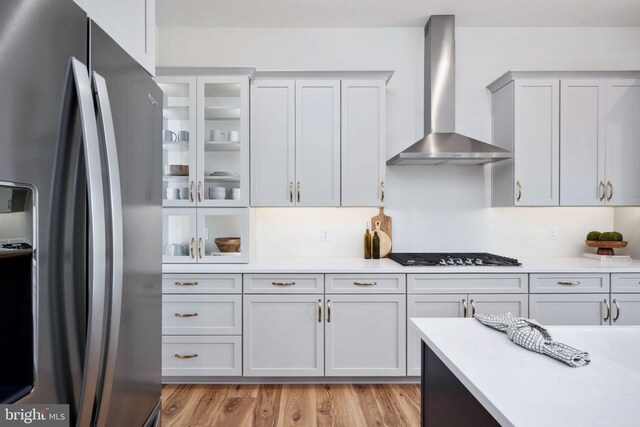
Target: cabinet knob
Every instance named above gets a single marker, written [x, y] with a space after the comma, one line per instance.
[610, 187]
[473, 309]
[365, 283]
[186, 356]
[381, 191]
[283, 283]
[464, 305]
[199, 191]
[186, 314]
[603, 191]
[191, 248]
[328, 311]
[200, 247]
[519, 191]
[191, 185]
[186, 283]
[290, 191]
[298, 191]
[606, 318]
[319, 311]
[569, 283]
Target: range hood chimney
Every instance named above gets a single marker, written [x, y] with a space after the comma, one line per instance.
[441, 143]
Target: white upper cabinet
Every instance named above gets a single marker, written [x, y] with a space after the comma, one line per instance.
[575, 137]
[537, 143]
[318, 143]
[131, 23]
[623, 142]
[272, 143]
[363, 142]
[582, 147]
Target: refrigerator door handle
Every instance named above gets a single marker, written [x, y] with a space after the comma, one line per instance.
[97, 255]
[117, 245]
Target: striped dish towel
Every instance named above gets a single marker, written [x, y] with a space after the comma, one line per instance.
[533, 336]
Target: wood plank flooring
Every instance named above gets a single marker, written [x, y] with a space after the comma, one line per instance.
[299, 405]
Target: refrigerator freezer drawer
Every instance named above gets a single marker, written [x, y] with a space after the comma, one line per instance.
[201, 356]
[202, 314]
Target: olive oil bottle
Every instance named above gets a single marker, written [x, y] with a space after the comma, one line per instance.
[367, 243]
[375, 245]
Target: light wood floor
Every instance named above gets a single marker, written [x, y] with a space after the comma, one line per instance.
[337, 405]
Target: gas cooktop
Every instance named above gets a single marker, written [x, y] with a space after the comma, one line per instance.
[460, 259]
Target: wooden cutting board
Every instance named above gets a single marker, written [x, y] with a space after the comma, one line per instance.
[385, 223]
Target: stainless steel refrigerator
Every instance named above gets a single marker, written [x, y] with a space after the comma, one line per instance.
[80, 128]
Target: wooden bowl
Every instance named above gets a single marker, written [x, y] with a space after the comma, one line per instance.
[227, 244]
[605, 247]
[176, 170]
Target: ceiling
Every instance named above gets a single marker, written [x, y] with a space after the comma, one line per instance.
[397, 13]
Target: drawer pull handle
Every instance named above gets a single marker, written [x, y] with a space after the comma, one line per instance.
[615, 319]
[185, 356]
[464, 304]
[328, 311]
[186, 314]
[283, 283]
[319, 311]
[606, 318]
[365, 283]
[186, 283]
[569, 283]
[473, 309]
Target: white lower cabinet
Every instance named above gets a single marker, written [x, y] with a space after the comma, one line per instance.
[283, 335]
[570, 309]
[365, 335]
[625, 309]
[201, 356]
[456, 305]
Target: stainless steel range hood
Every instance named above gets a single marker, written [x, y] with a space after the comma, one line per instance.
[442, 144]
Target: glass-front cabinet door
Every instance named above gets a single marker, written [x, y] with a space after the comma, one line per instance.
[223, 235]
[223, 141]
[179, 235]
[179, 141]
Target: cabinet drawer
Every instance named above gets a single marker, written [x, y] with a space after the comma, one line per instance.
[283, 283]
[366, 283]
[569, 283]
[201, 356]
[629, 283]
[201, 314]
[202, 283]
[467, 283]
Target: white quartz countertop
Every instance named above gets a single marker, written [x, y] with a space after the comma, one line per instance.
[359, 265]
[522, 388]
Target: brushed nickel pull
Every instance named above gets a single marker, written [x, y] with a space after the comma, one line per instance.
[603, 191]
[365, 283]
[319, 311]
[290, 191]
[615, 301]
[464, 304]
[328, 311]
[519, 191]
[200, 247]
[606, 318]
[191, 192]
[381, 191]
[569, 283]
[283, 283]
[186, 283]
[186, 356]
[610, 186]
[191, 250]
[298, 191]
[473, 309]
[186, 314]
[199, 191]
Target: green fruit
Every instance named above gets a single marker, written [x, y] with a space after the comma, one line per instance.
[618, 236]
[608, 236]
[594, 235]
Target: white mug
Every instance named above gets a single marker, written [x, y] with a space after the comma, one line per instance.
[173, 193]
[183, 136]
[233, 135]
[217, 135]
[184, 193]
[168, 136]
[174, 249]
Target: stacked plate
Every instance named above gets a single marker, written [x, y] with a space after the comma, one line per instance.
[217, 193]
[235, 193]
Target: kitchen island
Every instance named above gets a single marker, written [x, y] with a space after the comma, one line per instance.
[473, 375]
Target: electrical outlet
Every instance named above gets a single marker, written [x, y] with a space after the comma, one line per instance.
[324, 236]
[552, 234]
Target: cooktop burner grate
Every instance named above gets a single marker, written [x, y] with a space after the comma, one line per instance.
[460, 259]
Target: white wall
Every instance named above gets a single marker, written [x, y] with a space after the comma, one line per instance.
[433, 208]
[627, 222]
